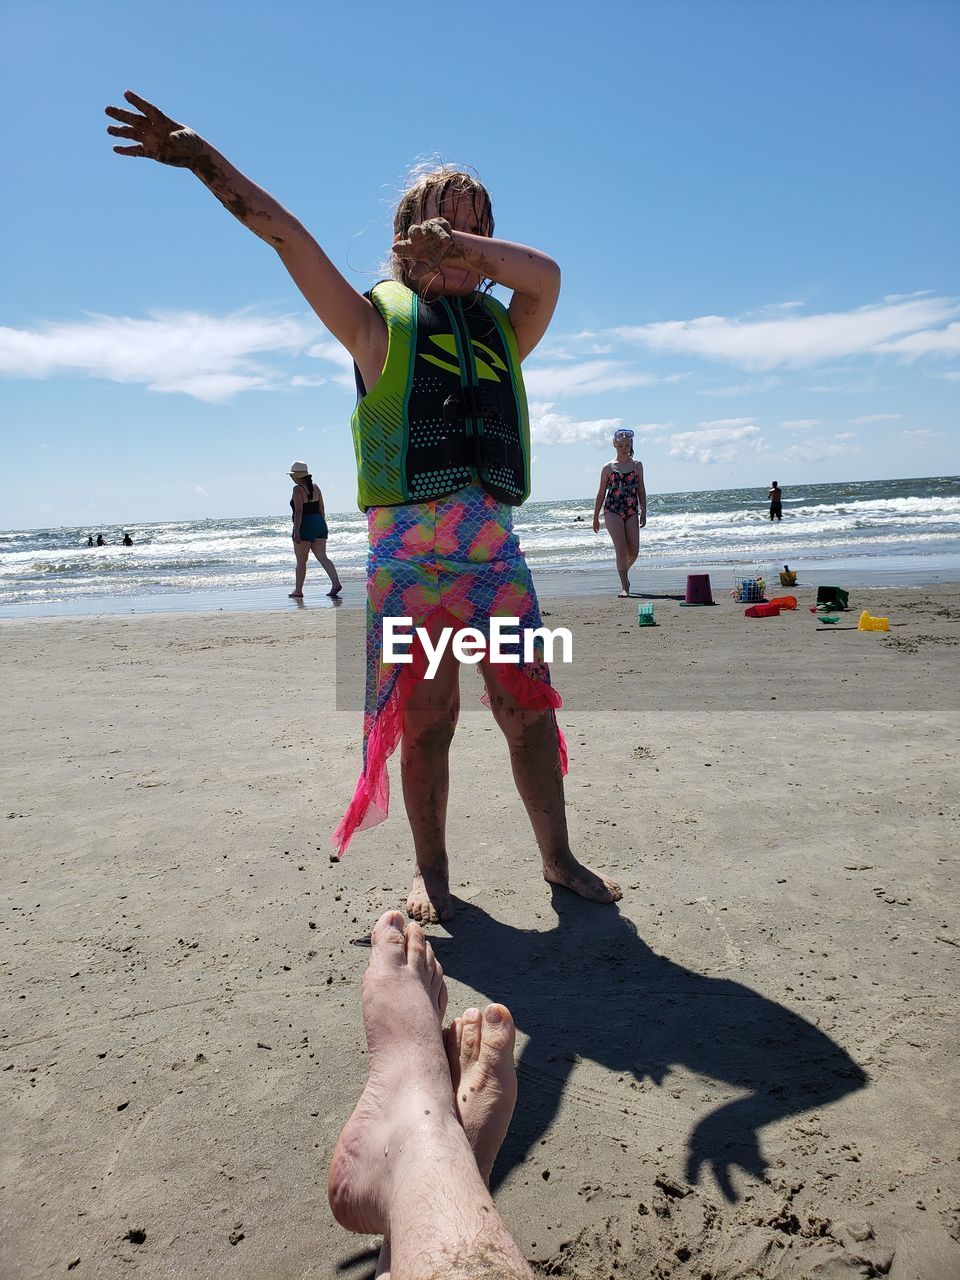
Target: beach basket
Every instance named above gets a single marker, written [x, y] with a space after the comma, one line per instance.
[748, 590]
[788, 578]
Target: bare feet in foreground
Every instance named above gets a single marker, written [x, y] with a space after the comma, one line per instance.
[480, 1052]
[581, 879]
[403, 1166]
[294, 595]
[429, 901]
[408, 1097]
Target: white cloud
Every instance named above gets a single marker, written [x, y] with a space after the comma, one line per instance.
[722, 440]
[902, 326]
[741, 388]
[874, 417]
[930, 342]
[952, 375]
[208, 357]
[198, 488]
[583, 378]
[845, 435]
[818, 450]
[549, 427]
[800, 424]
[921, 436]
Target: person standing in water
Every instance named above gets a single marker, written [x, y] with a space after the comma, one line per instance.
[623, 499]
[309, 529]
[776, 501]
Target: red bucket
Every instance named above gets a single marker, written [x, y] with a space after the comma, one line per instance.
[769, 610]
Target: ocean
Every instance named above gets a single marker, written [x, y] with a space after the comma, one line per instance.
[872, 532]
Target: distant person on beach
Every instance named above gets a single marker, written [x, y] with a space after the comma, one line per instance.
[127, 540]
[431, 347]
[309, 529]
[776, 501]
[623, 499]
[413, 1162]
[89, 539]
[100, 541]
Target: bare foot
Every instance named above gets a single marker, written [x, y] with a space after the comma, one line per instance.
[295, 595]
[480, 1052]
[407, 1105]
[429, 901]
[623, 595]
[335, 591]
[582, 880]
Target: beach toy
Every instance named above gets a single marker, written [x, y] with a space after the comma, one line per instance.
[869, 623]
[833, 597]
[788, 577]
[829, 617]
[766, 610]
[749, 590]
[785, 602]
[698, 590]
[645, 616]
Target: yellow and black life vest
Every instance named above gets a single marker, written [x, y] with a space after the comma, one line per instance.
[449, 407]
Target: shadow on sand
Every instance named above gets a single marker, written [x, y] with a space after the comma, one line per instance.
[590, 988]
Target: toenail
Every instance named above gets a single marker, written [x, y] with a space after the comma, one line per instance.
[470, 1014]
[493, 1014]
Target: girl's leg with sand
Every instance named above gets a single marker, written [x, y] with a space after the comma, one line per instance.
[429, 720]
[534, 758]
[403, 1166]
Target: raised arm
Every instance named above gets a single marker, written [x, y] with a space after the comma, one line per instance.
[346, 313]
[533, 277]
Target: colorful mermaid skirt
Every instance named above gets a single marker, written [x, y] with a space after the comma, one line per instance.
[456, 563]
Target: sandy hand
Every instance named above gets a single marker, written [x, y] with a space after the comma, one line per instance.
[429, 243]
[154, 135]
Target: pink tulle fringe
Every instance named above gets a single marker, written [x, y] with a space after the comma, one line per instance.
[371, 800]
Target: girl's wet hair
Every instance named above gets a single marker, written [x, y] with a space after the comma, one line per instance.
[446, 184]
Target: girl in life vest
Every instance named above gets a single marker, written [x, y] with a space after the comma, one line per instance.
[442, 443]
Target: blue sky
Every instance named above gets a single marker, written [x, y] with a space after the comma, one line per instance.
[754, 205]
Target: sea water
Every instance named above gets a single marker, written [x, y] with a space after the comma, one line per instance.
[877, 530]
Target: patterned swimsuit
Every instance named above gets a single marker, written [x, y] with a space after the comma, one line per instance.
[454, 562]
[622, 493]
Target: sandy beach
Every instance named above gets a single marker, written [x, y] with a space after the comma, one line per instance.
[748, 1068]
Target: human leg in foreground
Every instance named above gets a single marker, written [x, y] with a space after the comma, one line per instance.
[625, 536]
[484, 1079]
[534, 758]
[403, 1166]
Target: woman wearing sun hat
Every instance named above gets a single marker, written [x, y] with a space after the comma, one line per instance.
[309, 529]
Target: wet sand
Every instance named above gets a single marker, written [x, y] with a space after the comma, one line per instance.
[749, 1068]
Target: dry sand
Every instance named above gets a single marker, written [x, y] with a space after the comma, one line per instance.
[749, 1069]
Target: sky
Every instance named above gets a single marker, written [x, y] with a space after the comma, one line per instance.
[754, 204]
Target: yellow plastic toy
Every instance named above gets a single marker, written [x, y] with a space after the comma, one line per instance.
[869, 623]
